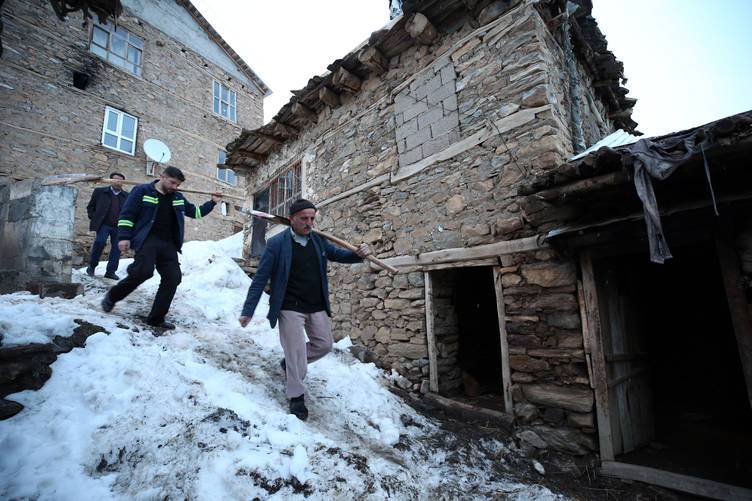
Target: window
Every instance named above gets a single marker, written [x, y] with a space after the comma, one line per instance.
[119, 131]
[224, 101]
[224, 207]
[223, 174]
[118, 46]
[284, 190]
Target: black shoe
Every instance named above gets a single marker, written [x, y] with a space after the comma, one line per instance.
[111, 275]
[283, 364]
[90, 271]
[107, 303]
[298, 408]
[164, 324]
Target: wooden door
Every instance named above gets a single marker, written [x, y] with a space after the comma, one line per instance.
[626, 358]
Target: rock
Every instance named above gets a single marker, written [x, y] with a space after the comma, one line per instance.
[563, 320]
[557, 302]
[504, 226]
[455, 205]
[531, 438]
[60, 289]
[566, 440]
[525, 363]
[579, 420]
[424, 386]
[549, 274]
[522, 377]
[570, 341]
[575, 399]
[557, 353]
[539, 467]
[537, 96]
[525, 413]
[510, 280]
[553, 415]
[9, 408]
[407, 350]
[403, 382]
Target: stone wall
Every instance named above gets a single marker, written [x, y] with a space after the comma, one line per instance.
[48, 126]
[36, 230]
[508, 91]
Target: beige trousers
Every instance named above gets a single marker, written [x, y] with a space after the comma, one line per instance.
[293, 327]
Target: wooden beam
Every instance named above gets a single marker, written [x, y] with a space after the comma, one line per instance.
[590, 291]
[288, 129]
[433, 368]
[469, 253]
[304, 112]
[506, 378]
[421, 29]
[259, 157]
[347, 80]
[328, 96]
[684, 483]
[587, 342]
[584, 186]
[374, 60]
[738, 307]
[269, 137]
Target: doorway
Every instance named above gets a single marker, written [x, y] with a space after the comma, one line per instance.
[467, 336]
[674, 397]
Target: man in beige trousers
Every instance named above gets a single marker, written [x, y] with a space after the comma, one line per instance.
[295, 261]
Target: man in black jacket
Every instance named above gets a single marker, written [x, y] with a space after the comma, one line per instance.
[104, 211]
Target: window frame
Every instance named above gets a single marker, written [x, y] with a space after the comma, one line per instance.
[223, 172]
[130, 40]
[281, 205]
[118, 131]
[217, 101]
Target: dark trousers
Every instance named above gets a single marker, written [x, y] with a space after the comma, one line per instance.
[159, 253]
[100, 241]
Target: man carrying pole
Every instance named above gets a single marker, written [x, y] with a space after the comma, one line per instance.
[295, 261]
[152, 223]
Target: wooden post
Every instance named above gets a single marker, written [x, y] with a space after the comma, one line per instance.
[506, 377]
[421, 29]
[738, 307]
[328, 96]
[373, 59]
[590, 291]
[433, 369]
[347, 80]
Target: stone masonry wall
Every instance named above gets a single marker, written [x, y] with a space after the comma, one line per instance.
[506, 82]
[47, 126]
[36, 229]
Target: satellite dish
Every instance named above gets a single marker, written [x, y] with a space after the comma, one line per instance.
[157, 151]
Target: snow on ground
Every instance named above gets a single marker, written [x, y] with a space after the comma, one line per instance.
[200, 412]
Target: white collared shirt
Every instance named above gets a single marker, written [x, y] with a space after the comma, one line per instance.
[301, 239]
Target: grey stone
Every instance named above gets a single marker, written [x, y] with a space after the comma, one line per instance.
[531, 438]
[444, 92]
[577, 399]
[416, 139]
[444, 125]
[566, 440]
[430, 116]
[415, 110]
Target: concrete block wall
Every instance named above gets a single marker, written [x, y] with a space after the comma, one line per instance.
[36, 225]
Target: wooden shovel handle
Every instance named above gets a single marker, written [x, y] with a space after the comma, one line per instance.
[347, 245]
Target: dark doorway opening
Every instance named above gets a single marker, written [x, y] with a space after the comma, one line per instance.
[677, 393]
[467, 336]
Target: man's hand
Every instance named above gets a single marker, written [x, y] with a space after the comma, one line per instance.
[244, 320]
[216, 197]
[363, 250]
[124, 245]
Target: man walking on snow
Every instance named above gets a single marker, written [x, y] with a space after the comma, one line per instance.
[152, 223]
[295, 261]
[103, 211]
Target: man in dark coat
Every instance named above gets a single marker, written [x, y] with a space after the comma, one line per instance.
[295, 261]
[152, 223]
[104, 211]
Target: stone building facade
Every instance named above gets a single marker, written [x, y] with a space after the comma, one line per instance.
[62, 83]
[417, 142]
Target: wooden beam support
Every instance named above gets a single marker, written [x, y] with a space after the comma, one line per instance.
[506, 378]
[374, 60]
[433, 368]
[328, 97]
[304, 113]
[253, 156]
[421, 29]
[288, 129]
[269, 137]
[683, 483]
[737, 303]
[346, 79]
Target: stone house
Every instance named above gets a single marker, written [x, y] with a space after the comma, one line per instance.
[441, 141]
[81, 96]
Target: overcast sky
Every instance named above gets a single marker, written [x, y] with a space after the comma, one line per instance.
[688, 62]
